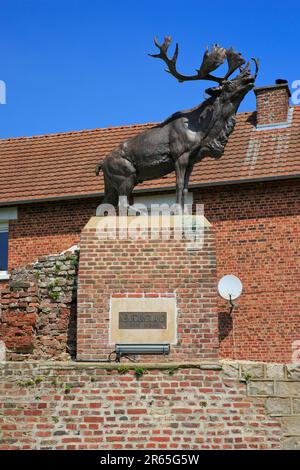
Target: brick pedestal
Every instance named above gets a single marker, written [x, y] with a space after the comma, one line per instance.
[147, 268]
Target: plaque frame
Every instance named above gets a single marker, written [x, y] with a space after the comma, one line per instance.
[148, 305]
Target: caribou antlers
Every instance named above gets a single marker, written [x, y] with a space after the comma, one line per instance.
[211, 61]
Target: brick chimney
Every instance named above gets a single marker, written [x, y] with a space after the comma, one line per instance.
[272, 103]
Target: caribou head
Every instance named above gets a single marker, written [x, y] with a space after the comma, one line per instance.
[229, 90]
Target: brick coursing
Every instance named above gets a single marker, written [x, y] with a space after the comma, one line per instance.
[98, 406]
[46, 228]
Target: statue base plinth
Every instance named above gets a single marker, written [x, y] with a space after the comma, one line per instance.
[147, 290]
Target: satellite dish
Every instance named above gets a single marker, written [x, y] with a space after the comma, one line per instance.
[230, 287]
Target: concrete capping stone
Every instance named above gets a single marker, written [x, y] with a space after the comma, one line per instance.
[121, 221]
[210, 367]
[60, 365]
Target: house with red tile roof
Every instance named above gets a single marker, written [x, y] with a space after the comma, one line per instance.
[251, 196]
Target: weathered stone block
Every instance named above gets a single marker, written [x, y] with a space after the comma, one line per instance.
[291, 425]
[230, 369]
[275, 371]
[278, 406]
[291, 443]
[296, 406]
[261, 387]
[19, 284]
[254, 371]
[287, 389]
[293, 371]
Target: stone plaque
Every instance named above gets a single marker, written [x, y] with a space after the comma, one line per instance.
[142, 320]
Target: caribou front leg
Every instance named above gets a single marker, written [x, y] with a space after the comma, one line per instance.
[181, 166]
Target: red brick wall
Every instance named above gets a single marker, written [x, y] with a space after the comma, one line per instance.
[145, 268]
[272, 104]
[18, 318]
[257, 238]
[75, 406]
[47, 228]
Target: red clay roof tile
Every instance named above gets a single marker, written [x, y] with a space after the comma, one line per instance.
[62, 165]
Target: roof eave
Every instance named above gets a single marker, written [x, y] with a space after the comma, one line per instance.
[152, 190]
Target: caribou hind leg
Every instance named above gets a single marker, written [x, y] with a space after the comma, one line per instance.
[181, 166]
[111, 194]
[120, 177]
[126, 188]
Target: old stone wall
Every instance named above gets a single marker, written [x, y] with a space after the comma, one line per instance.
[229, 405]
[38, 309]
[278, 388]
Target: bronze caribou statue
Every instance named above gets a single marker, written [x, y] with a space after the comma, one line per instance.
[186, 137]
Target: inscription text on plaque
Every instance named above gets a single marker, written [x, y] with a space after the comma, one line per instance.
[142, 320]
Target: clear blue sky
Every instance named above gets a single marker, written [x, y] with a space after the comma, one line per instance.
[75, 64]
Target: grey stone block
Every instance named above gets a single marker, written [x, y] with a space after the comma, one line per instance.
[296, 406]
[231, 370]
[278, 406]
[293, 371]
[261, 387]
[291, 425]
[291, 443]
[287, 389]
[254, 370]
[275, 371]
